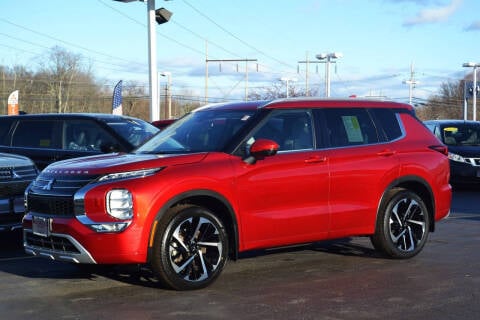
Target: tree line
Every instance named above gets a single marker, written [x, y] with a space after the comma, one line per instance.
[64, 82]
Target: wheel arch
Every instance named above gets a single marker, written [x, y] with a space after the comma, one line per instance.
[418, 185]
[210, 200]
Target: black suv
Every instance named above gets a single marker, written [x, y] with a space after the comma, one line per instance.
[46, 138]
[463, 141]
[16, 173]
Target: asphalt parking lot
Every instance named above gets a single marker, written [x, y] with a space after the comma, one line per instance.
[342, 279]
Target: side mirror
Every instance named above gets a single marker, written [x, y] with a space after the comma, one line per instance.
[260, 149]
[109, 147]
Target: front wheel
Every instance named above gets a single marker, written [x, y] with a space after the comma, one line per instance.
[402, 225]
[190, 248]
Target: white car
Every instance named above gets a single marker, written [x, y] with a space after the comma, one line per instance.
[16, 173]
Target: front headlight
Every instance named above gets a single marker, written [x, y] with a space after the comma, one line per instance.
[456, 157]
[120, 204]
[129, 174]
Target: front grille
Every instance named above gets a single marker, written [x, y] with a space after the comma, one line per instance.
[10, 218]
[55, 243]
[51, 205]
[48, 183]
[20, 173]
[13, 188]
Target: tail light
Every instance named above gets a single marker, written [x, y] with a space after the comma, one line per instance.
[440, 148]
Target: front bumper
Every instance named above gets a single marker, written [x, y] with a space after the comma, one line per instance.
[69, 240]
[56, 247]
[11, 213]
[464, 173]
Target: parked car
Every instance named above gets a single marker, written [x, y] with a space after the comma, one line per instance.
[233, 177]
[463, 141]
[162, 124]
[16, 173]
[46, 138]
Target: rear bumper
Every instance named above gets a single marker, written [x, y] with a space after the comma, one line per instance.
[443, 202]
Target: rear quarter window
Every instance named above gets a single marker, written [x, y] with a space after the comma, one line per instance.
[387, 122]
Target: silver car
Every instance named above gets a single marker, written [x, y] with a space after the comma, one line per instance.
[16, 173]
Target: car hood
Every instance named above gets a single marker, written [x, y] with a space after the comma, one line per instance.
[14, 160]
[465, 151]
[115, 162]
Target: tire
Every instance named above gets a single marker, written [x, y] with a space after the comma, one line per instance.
[190, 248]
[402, 225]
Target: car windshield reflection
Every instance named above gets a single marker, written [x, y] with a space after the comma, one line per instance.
[200, 131]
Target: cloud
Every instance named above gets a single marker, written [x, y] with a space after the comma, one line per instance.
[474, 26]
[434, 14]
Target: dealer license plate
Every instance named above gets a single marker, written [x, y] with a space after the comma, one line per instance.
[41, 226]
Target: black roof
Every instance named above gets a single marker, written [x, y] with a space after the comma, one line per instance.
[101, 116]
[452, 122]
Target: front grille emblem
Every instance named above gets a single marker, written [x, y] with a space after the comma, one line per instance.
[49, 185]
[15, 175]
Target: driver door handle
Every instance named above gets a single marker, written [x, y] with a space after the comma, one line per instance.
[315, 159]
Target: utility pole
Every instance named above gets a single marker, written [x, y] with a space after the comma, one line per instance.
[229, 60]
[206, 72]
[411, 83]
[307, 62]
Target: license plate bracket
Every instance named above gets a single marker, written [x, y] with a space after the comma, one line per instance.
[41, 226]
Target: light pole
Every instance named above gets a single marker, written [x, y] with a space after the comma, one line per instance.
[169, 93]
[329, 58]
[473, 65]
[161, 15]
[287, 82]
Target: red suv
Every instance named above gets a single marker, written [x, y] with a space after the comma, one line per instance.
[233, 177]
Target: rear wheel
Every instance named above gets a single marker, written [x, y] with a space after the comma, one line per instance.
[402, 225]
[190, 248]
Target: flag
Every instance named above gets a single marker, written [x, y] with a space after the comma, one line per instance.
[13, 103]
[117, 99]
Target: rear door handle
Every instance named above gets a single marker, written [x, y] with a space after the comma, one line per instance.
[386, 153]
[316, 159]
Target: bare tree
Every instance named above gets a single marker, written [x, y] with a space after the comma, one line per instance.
[447, 104]
[278, 90]
[59, 73]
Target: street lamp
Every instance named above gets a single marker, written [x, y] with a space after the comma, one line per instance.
[287, 82]
[161, 15]
[329, 58]
[169, 93]
[473, 65]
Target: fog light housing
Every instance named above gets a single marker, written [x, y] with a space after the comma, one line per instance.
[120, 204]
[109, 227]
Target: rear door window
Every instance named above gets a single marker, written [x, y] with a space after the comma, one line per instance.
[349, 127]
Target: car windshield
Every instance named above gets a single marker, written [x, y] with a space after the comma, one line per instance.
[135, 131]
[200, 131]
[461, 135]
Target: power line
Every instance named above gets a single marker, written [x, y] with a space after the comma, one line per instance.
[236, 37]
[67, 42]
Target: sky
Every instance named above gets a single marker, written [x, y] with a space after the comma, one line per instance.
[381, 41]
